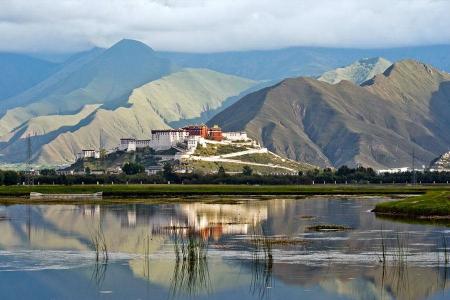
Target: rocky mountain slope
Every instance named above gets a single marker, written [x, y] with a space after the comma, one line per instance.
[358, 72]
[377, 124]
[191, 94]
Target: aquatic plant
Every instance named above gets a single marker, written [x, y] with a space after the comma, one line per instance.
[191, 272]
[383, 248]
[146, 250]
[262, 263]
[98, 241]
[445, 249]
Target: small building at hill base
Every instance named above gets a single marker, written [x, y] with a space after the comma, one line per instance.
[88, 153]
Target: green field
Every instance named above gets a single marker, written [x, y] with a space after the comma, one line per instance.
[434, 203]
[135, 190]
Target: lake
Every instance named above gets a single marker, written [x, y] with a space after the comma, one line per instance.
[220, 249]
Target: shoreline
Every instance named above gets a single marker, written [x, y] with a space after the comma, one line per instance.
[166, 190]
[433, 205]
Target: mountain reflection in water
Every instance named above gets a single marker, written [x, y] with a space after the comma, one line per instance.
[251, 249]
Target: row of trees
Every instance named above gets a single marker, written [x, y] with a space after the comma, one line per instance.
[134, 173]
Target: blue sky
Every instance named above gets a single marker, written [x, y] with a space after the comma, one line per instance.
[221, 25]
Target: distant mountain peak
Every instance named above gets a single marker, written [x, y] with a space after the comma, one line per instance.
[129, 44]
[358, 72]
[409, 70]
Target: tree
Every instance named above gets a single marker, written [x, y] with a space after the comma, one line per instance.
[168, 172]
[131, 168]
[87, 170]
[221, 172]
[344, 171]
[10, 178]
[48, 172]
[102, 153]
[247, 171]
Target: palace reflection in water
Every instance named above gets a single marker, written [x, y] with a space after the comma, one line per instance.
[218, 251]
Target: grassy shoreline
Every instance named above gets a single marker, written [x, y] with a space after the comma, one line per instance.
[434, 204]
[150, 190]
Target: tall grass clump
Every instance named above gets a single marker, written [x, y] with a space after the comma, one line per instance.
[191, 272]
[98, 242]
[262, 263]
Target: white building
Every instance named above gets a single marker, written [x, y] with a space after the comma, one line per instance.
[167, 138]
[127, 144]
[193, 141]
[131, 144]
[235, 136]
[88, 153]
[394, 170]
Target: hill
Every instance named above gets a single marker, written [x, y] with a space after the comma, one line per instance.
[20, 72]
[186, 96]
[358, 72]
[377, 124]
[232, 157]
[97, 77]
[442, 162]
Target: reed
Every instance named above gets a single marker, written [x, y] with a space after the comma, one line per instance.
[262, 263]
[146, 250]
[383, 248]
[98, 241]
[445, 249]
[191, 272]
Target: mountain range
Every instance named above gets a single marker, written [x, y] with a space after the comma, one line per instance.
[377, 124]
[348, 111]
[303, 61]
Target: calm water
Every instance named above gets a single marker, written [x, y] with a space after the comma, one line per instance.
[218, 251]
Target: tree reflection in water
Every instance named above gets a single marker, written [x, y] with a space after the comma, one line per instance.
[190, 273]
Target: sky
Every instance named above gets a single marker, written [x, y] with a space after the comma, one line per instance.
[221, 25]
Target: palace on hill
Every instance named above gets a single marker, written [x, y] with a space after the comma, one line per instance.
[186, 139]
[191, 136]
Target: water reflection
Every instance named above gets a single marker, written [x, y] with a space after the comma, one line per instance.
[247, 250]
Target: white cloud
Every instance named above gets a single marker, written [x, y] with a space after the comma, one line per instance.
[217, 25]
